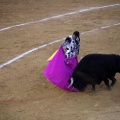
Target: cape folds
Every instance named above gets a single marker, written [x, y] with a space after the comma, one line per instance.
[59, 70]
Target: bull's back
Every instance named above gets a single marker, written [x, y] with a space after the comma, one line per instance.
[97, 63]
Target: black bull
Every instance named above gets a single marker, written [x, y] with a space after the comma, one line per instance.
[95, 68]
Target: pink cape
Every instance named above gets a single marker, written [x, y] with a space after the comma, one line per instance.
[60, 69]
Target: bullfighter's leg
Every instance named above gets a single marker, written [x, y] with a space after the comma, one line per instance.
[106, 81]
[113, 81]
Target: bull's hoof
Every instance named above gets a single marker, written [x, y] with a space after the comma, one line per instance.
[93, 92]
[109, 89]
[112, 84]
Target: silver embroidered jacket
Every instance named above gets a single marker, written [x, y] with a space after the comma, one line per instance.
[71, 46]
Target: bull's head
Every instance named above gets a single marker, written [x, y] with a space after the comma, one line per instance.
[76, 84]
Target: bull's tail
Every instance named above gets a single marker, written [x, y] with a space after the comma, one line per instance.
[119, 64]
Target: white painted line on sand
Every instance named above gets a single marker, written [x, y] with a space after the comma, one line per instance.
[59, 16]
[45, 45]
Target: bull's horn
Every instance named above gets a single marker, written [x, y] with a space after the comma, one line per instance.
[71, 82]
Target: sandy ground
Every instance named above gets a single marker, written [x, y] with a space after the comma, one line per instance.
[25, 94]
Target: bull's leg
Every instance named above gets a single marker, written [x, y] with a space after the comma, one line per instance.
[113, 81]
[107, 84]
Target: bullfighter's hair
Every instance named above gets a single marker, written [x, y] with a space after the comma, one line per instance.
[76, 33]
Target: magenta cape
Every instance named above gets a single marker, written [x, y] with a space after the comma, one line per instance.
[60, 69]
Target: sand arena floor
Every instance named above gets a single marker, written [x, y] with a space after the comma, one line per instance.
[25, 94]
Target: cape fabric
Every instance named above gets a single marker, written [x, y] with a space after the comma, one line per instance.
[60, 69]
